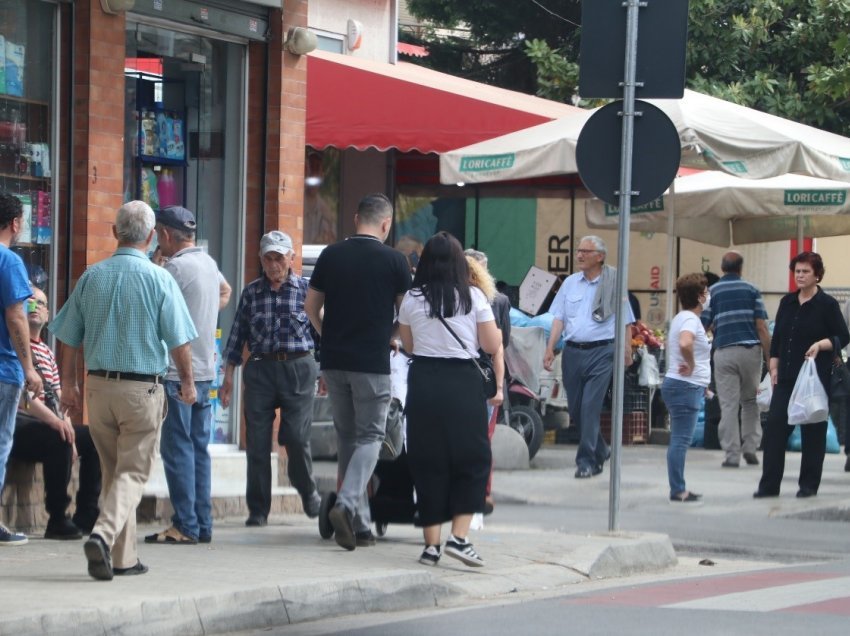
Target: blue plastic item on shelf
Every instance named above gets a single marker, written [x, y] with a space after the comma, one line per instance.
[698, 440]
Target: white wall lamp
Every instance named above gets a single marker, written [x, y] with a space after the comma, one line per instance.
[300, 41]
[354, 34]
[115, 7]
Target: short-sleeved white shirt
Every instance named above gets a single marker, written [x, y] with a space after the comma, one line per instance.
[689, 321]
[431, 338]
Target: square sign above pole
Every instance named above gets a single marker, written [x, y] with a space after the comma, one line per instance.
[662, 38]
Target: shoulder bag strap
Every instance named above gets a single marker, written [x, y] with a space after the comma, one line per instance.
[451, 331]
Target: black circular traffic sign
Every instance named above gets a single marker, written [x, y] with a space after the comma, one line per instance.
[655, 156]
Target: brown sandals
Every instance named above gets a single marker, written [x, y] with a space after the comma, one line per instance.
[170, 536]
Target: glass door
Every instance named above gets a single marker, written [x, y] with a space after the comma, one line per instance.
[184, 145]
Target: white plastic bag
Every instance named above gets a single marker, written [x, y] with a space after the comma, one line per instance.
[648, 374]
[764, 393]
[809, 403]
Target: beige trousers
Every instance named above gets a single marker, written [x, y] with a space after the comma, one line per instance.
[124, 420]
[737, 372]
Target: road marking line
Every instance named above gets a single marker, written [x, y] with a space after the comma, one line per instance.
[772, 598]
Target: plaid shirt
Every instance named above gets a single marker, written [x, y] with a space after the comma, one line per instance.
[270, 321]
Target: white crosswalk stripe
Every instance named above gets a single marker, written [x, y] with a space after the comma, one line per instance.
[769, 599]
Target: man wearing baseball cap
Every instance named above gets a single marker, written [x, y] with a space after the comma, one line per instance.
[280, 373]
[186, 428]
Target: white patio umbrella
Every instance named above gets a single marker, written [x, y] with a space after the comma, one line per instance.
[714, 134]
[719, 209]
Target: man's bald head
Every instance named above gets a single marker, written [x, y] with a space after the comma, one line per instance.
[732, 263]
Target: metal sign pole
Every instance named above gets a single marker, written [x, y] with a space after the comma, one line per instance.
[632, 8]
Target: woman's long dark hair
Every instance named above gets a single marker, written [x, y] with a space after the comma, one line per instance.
[442, 277]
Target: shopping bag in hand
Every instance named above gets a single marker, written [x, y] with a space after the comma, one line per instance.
[764, 393]
[809, 403]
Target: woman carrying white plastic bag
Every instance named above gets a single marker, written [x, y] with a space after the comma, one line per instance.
[806, 322]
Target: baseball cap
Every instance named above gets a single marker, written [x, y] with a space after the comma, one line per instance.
[275, 242]
[177, 217]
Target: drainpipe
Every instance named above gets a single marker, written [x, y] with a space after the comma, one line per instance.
[265, 143]
[393, 32]
[69, 233]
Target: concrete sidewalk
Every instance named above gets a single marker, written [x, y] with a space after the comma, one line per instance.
[285, 573]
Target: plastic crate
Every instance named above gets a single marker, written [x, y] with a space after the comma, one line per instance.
[635, 428]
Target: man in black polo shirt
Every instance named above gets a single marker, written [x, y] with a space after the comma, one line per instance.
[355, 291]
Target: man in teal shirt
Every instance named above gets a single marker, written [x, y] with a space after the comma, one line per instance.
[126, 314]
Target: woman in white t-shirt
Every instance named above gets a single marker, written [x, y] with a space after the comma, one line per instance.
[447, 445]
[688, 375]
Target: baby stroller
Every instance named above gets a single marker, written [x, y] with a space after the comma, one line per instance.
[391, 487]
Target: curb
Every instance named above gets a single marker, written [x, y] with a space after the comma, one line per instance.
[255, 608]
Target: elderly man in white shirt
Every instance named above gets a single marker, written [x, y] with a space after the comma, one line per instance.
[584, 310]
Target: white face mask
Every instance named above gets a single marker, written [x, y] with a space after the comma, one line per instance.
[707, 301]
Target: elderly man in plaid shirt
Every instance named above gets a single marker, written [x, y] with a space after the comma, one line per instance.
[280, 373]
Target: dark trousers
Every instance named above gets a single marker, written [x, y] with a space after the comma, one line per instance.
[289, 386]
[587, 374]
[776, 434]
[38, 442]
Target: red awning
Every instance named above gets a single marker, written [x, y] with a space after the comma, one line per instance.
[411, 49]
[357, 103]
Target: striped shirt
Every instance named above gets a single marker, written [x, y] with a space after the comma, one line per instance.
[732, 313]
[270, 321]
[45, 362]
[127, 313]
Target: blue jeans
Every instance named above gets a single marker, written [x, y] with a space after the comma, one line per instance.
[683, 400]
[183, 446]
[10, 394]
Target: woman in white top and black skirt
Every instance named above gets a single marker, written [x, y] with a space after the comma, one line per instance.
[447, 445]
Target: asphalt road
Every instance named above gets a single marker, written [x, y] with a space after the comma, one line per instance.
[786, 601]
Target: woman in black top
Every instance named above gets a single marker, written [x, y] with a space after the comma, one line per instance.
[806, 322]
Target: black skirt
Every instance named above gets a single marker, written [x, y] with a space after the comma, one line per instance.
[447, 444]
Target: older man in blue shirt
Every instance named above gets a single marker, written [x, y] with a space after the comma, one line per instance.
[127, 314]
[584, 309]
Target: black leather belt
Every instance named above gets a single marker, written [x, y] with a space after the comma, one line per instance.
[746, 346]
[589, 345]
[124, 375]
[280, 355]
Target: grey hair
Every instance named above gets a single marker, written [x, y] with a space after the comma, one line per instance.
[479, 256]
[598, 244]
[182, 236]
[134, 222]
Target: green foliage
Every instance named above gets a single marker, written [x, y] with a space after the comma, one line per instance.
[787, 57]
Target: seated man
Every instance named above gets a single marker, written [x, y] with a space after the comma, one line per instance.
[44, 434]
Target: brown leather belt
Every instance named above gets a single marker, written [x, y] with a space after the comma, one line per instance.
[280, 356]
[124, 375]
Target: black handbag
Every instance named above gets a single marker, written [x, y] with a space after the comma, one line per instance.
[484, 364]
[840, 380]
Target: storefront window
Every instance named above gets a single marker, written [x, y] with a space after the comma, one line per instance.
[321, 196]
[184, 141]
[27, 134]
